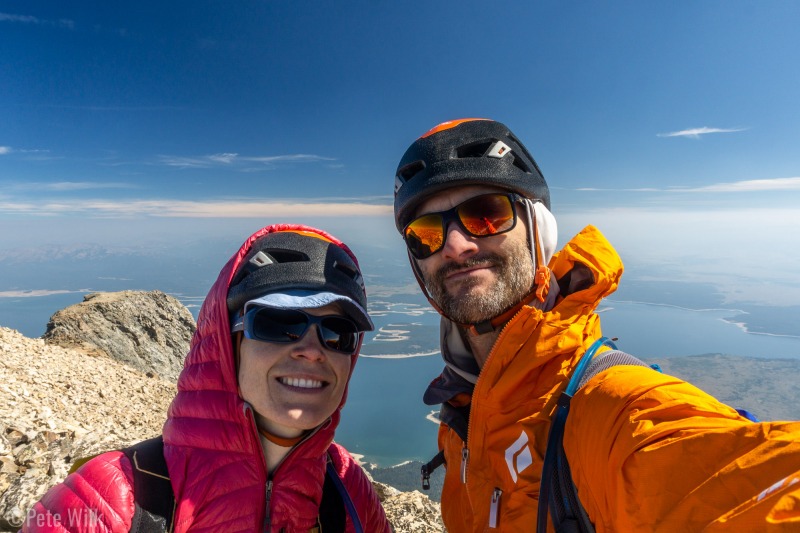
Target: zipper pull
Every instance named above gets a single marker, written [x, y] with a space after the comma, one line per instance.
[494, 508]
[267, 517]
[464, 459]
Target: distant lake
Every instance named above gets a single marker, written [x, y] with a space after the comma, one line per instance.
[30, 314]
[650, 330]
[384, 418]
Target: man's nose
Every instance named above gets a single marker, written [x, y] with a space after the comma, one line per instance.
[458, 244]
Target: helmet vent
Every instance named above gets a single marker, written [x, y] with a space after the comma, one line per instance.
[476, 149]
[350, 272]
[520, 164]
[410, 170]
[519, 161]
[288, 256]
[268, 257]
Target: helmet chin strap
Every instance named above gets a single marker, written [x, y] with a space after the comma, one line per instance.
[539, 292]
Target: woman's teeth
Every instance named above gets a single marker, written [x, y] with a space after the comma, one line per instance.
[301, 383]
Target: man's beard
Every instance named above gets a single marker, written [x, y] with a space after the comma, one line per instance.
[514, 272]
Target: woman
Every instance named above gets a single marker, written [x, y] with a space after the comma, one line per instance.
[249, 435]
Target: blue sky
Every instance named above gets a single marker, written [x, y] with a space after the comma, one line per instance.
[673, 126]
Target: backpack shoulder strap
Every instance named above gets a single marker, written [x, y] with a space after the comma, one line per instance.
[606, 360]
[558, 494]
[155, 501]
[334, 494]
[332, 514]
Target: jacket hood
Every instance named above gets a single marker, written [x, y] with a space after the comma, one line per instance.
[210, 439]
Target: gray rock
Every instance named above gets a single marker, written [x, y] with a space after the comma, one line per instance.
[149, 331]
[13, 437]
[23, 492]
[5, 447]
[413, 512]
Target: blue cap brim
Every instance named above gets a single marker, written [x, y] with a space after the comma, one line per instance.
[305, 299]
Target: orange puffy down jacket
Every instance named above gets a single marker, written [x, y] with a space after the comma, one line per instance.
[648, 452]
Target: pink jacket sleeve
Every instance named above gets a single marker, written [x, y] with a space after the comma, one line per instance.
[369, 508]
[98, 497]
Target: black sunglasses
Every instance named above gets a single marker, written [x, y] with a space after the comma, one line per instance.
[335, 332]
[480, 216]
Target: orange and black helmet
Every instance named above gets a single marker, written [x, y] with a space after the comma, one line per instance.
[465, 152]
[295, 258]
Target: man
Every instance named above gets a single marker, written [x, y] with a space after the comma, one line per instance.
[648, 452]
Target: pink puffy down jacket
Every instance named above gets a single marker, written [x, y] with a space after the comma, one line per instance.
[213, 454]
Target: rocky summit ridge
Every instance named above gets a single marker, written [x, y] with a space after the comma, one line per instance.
[102, 378]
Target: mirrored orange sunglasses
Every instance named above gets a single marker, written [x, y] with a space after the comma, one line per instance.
[480, 216]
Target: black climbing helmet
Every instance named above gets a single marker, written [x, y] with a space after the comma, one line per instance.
[469, 151]
[297, 260]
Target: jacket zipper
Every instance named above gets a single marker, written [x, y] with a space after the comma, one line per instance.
[494, 508]
[464, 459]
[248, 412]
[268, 517]
[465, 449]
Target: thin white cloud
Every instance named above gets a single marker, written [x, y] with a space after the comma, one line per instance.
[223, 158]
[5, 150]
[186, 162]
[33, 293]
[775, 184]
[772, 184]
[85, 185]
[273, 209]
[302, 158]
[62, 186]
[595, 189]
[695, 133]
[233, 159]
[28, 19]
[195, 209]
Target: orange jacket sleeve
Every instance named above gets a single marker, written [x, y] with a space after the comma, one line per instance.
[650, 452]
